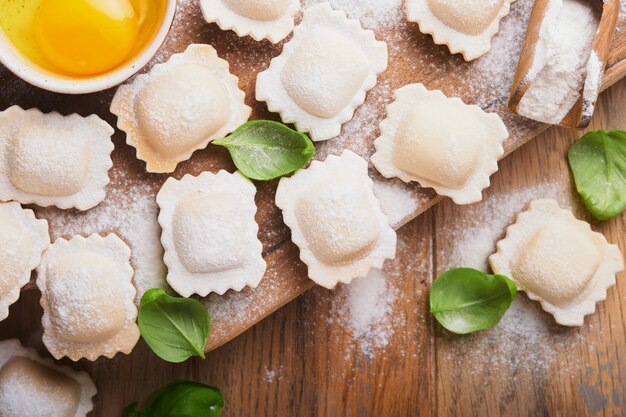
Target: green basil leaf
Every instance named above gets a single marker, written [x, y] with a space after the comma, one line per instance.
[465, 300]
[131, 411]
[265, 150]
[175, 328]
[182, 399]
[598, 163]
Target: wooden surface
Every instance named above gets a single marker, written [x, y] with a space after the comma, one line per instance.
[299, 363]
[413, 58]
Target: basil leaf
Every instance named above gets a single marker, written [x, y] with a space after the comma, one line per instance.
[465, 300]
[598, 163]
[131, 411]
[181, 399]
[265, 150]
[175, 328]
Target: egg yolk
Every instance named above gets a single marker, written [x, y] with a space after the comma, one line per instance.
[86, 37]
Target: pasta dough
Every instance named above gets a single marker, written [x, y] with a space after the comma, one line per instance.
[23, 238]
[179, 107]
[210, 234]
[260, 19]
[558, 261]
[49, 159]
[88, 298]
[336, 220]
[440, 142]
[324, 72]
[31, 386]
[465, 26]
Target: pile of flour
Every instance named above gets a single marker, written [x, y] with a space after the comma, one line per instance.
[561, 59]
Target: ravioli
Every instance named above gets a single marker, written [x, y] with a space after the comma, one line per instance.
[54, 160]
[88, 298]
[323, 73]
[466, 27]
[23, 238]
[260, 19]
[558, 261]
[31, 386]
[210, 234]
[179, 107]
[440, 142]
[336, 219]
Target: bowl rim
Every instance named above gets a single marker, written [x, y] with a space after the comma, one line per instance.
[19, 65]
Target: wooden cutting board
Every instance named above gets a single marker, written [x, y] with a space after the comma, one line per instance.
[130, 210]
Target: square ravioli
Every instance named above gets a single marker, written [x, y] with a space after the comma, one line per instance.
[558, 260]
[260, 19]
[440, 142]
[210, 234]
[336, 219]
[54, 160]
[32, 386]
[23, 238]
[323, 73]
[179, 107]
[465, 26]
[88, 297]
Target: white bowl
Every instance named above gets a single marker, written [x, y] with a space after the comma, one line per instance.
[21, 66]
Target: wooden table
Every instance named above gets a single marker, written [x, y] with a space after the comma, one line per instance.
[300, 363]
[306, 361]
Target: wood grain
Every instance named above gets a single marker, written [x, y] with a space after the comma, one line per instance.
[413, 58]
[535, 367]
[298, 362]
[304, 359]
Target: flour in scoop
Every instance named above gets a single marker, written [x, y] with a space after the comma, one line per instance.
[561, 60]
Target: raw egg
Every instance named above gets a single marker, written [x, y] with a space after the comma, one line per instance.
[80, 38]
[86, 36]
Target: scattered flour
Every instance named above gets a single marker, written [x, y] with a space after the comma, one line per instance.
[525, 327]
[595, 72]
[395, 200]
[130, 211]
[272, 374]
[560, 64]
[622, 15]
[476, 240]
[372, 14]
[364, 307]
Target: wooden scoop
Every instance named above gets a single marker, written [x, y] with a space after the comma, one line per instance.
[577, 117]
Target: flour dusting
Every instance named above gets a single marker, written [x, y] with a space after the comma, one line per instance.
[559, 67]
[476, 239]
[372, 14]
[365, 307]
[132, 214]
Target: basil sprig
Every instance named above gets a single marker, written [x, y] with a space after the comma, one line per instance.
[598, 163]
[184, 399]
[175, 328]
[465, 300]
[264, 150]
